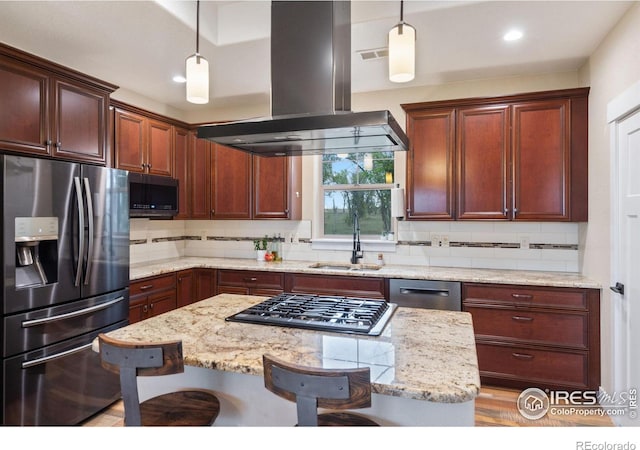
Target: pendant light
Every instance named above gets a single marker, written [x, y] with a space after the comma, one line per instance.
[402, 51]
[197, 71]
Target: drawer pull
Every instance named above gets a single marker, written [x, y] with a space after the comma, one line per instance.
[522, 319]
[522, 356]
[522, 296]
[146, 286]
[251, 279]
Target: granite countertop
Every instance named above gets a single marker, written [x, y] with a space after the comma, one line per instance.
[533, 278]
[421, 354]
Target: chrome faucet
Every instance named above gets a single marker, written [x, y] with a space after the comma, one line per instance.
[356, 254]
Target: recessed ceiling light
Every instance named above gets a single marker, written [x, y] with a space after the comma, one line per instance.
[179, 79]
[512, 35]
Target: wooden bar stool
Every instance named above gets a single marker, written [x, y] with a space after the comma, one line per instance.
[193, 407]
[313, 388]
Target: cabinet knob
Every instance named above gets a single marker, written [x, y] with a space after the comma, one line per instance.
[58, 144]
[213, 211]
[144, 308]
[515, 211]
[506, 210]
[48, 142]
[148, 166]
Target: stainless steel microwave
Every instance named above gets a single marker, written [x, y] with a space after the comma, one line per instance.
[152, 196]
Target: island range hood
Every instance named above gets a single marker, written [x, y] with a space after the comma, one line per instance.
[311, 91]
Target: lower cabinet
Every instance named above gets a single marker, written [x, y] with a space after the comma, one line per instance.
[195, 285]
[541, 337]
[248, 282]
[151, 296]
[347, 286]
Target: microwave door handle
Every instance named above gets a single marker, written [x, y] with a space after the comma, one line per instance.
[87, 190]
[80, 206]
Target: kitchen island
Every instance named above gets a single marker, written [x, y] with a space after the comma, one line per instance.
[424, 369]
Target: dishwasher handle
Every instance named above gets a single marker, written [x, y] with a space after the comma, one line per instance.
[424, 291]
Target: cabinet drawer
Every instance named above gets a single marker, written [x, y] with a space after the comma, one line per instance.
[534, 366]
[152, 284]
[273, 280]
[553, 328]
[336, 285]
[525, 296]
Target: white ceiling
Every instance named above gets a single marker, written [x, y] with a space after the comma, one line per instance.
[141, 45]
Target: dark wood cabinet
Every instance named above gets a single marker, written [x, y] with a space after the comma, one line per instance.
[48, 110]
[200, 178]
[185, 288]
[276, 187]
[483, 158]
[245, 186]
[520, 157]
[205, 283]
[230, 183]
[348, 286]
[541, 337]
[143, 144]
[181, 171]
[430, 164]
[248, 282]
[152, 296]
[541, 156]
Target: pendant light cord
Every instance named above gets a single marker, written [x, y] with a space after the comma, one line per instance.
[401, 11]
[198, 27]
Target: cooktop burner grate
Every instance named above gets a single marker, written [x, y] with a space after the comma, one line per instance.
[318, 312]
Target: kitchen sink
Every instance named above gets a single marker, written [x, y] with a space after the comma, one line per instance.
[343, 266]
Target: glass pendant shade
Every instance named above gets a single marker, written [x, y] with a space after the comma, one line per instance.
[402, 53]
[197, 71]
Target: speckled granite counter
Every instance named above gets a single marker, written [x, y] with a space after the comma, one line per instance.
[421, 354]
[534, 278]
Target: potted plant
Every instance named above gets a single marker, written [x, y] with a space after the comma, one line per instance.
[260, 246]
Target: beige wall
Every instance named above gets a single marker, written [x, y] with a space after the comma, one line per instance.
[612, 68]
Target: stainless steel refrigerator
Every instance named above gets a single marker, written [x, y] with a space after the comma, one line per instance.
[65, 261]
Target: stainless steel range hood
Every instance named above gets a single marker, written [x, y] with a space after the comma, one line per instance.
[311, 91]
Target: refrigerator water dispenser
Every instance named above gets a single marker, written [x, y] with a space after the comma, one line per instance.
[36, 240]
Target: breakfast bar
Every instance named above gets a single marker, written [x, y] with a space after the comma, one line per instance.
[424, 369]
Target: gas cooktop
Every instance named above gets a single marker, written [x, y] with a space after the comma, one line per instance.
[320, 312]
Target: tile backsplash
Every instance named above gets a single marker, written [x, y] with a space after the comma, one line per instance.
[545, 246]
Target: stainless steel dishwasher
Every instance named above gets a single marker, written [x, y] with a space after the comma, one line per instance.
[427, 294]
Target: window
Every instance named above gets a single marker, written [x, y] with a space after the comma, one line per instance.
[357, 182]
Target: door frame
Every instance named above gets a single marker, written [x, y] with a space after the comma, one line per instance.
[621, 107]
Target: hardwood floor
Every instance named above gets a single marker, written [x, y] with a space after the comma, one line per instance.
[495, 407]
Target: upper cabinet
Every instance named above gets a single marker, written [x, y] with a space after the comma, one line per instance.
[143, 144]
[48, 110]
[521, 157]
[245, 186]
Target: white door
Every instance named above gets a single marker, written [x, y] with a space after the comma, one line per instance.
[626, 264]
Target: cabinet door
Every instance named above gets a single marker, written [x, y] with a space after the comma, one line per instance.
[162, 302]
[185, 288]
[205, 283]
[271, 187]
[79, 122]
[181, 171]
[130, 141]
[430, 163]
[24, 111]
[160, 148]
[137, 308]
[541, 160]
[483, 163]
[231, 183]
[200, 178]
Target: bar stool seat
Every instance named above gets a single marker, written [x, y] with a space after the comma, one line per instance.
[312, 388]
[188, 407]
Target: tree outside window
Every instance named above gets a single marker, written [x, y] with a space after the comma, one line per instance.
[357, 182]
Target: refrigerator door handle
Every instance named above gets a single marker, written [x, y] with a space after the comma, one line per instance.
[87, 190]
[80, 312]
[76, 181]
[46, 359]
